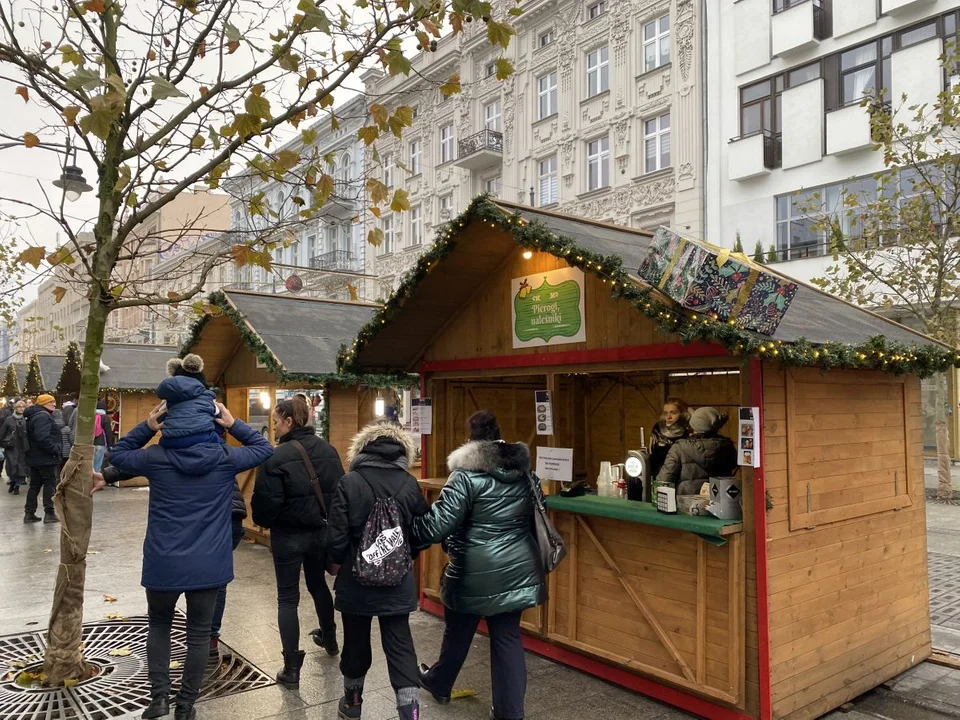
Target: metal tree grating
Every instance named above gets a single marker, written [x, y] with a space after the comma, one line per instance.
[121, 687]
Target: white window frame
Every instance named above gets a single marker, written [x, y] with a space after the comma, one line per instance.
[598, 156]
[547, 95]
[446, 203]
[547, 181]
[655, 132]
[657, 41]
[545, 38]
[386, 224]
[598, 71]
[416, 152]
[388, 169]
[490, 69]
[332, 240]
[493, 116]
[416, 226]
[493, 186]
[446, 143]
[596, 9]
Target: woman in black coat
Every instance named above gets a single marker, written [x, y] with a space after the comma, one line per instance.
[13, 436]
[379, 457]
[286, 501]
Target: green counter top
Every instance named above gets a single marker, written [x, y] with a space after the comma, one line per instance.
[706, 526]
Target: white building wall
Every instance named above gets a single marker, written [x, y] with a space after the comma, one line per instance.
[738, 41]
[914, 79]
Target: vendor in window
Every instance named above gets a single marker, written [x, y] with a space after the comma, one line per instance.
[674, 425]
[703, 454]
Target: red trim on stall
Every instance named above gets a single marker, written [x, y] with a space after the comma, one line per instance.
[423, 438]
[613, 674]
[760, 521]
[666, 351]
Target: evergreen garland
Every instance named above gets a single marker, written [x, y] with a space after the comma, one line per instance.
[877, 353]
[264, 355]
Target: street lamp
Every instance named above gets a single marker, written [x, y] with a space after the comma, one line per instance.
[72, 183]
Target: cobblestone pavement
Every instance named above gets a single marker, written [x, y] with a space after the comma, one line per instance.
[28, 563]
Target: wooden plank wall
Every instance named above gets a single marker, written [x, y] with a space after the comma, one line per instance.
[482, 328]
[848, 598]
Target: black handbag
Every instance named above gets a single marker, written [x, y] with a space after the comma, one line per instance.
[549, 541]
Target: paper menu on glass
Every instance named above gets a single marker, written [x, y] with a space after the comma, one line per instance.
[421, 416]
[748, 437]
[544, 412]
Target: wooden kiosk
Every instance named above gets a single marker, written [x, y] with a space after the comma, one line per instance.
[818, 594]
[260, 348]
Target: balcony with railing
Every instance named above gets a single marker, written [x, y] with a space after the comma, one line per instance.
[340, 260]
[798, 25]
[753, 155]
[480, 151]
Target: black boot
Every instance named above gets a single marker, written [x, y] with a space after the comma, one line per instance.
[292, 662]
[425, 684]
[350, 703]
[159, 707]
[410, 712]
[50, 518]
[16, 490]
[30, 518]
[327, 640]
[494, 716]
[185, 712]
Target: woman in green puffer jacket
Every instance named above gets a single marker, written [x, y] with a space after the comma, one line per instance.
[484, 517]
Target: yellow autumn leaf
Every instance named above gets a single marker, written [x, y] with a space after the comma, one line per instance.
[353, 292]
[58, 294]
[70, 113]
[120, 652]
[32, 256]
[70, 682]
[460, 694]
[174, 664]
[115, 616]
[109, 599]
[30, 140]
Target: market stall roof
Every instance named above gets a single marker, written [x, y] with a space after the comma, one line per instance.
[295, 337]
[22, 370]
[51, 366]
[134, 366]
[426, 300]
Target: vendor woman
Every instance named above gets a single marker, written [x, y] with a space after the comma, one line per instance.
[674, 424]
[703, 454]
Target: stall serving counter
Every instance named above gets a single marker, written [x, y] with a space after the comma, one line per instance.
[813, 596]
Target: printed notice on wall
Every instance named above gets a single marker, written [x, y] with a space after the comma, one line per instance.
[748, 442]
[544, 409]
[421, 416]
[547, 308]
[555, 464]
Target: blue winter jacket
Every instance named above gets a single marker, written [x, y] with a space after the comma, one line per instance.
[188, 545]
[190, 407]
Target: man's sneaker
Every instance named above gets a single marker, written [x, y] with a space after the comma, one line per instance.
[30, 518]
[350, 704]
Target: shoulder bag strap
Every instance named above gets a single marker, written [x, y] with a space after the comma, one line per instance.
[312, 473]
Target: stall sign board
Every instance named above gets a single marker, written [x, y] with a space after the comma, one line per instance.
[548, 308]
[748, 440]
[421, 416]
[555, 464]
[544, 408]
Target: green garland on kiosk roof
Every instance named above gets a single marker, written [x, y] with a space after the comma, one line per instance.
[264, 355]
[877, 353]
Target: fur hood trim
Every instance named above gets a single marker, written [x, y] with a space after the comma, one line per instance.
[490, 456]
[381, 430]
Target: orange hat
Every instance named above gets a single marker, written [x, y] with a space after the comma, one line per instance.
[45, 399]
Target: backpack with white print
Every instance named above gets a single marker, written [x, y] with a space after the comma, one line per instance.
[383, 557]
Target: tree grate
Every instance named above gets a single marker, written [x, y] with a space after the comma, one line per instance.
[121, 688]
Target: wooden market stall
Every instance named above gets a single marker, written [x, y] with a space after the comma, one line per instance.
[817, 594]
[259, 348]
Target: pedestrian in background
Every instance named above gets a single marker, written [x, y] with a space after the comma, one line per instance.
[379, 458]
[293, 491]
[102, 436]
[13, 440]
[43, 458]
[485, 516]
[188, 545]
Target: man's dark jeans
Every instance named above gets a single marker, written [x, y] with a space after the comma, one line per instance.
[291, 551]
[161, 607]
[46, 477]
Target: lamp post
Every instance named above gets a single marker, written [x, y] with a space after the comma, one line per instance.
[71, 180]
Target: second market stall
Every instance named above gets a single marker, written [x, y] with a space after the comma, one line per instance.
[813, 589]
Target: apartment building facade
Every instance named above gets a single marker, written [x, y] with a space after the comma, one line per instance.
[602, 118]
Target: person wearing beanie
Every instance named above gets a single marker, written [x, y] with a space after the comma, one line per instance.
[705, 453]
[188, 548]
[43, 458]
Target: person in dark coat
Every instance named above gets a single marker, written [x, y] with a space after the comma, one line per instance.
[485, 516]
[705, 453]
[378, 458]
[674, 424]
[188, 545]
[43, 458]
[285, 501]
[13, 440]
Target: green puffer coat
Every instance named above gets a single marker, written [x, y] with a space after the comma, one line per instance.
[485, 515]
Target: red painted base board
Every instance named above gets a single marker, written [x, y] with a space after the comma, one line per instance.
[612, 674]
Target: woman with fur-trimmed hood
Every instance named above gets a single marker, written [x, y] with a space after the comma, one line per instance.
[378, 458]
[485, 517]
